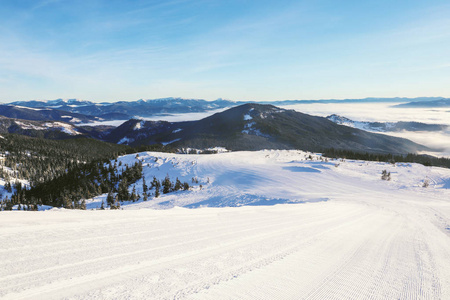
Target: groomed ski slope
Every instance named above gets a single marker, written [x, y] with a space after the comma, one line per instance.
[350, 235]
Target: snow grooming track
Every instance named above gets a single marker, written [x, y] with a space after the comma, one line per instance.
[371, 240]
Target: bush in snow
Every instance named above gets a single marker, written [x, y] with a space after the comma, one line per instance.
[385, 175]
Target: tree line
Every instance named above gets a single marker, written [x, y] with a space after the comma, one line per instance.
[426, 160]
[61, 172]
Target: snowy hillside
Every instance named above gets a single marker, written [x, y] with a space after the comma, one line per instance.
[351, 235]
[271, 177]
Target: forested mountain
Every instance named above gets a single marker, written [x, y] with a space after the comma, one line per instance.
[55, 169]
[39, 160]
[244, 127]
[44, 129]
[257, 126]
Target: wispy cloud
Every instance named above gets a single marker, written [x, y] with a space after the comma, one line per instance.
[243, 49]
[44, 3]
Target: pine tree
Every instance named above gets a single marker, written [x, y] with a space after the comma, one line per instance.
[123, 193]
[178, 185]
[133, 196]
[110, 198]
[144, 185]
[8, 187]
[167, 185]
[154, 183]
[157, 192]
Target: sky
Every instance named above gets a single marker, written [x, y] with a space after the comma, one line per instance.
[110, 50]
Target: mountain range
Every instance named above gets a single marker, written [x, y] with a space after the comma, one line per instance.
[441, 102]
[125, 110]
[386, 126]
[248, 126]
[44, 114]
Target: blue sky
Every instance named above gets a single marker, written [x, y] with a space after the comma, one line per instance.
[109, 50]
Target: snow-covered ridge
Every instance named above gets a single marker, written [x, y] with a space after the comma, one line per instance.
[367, 126]
[56, 102]
[30, 108]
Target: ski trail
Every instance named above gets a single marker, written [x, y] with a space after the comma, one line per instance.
[372, 239]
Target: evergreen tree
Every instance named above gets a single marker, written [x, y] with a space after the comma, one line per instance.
[178, 185]
[167, 185]
[144, 185]
[123, 193]
[157, 192]
[117, 202]
[8, 187]
[83, 204]
[133, 196]
[110, 198]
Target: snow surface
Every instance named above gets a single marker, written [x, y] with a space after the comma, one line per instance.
[139, 125]
[30, 108]
[248, 117]
[28, 126]
[125, 140]
[354, 236]
[358, 124]
[170, 142]
[66, 128]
